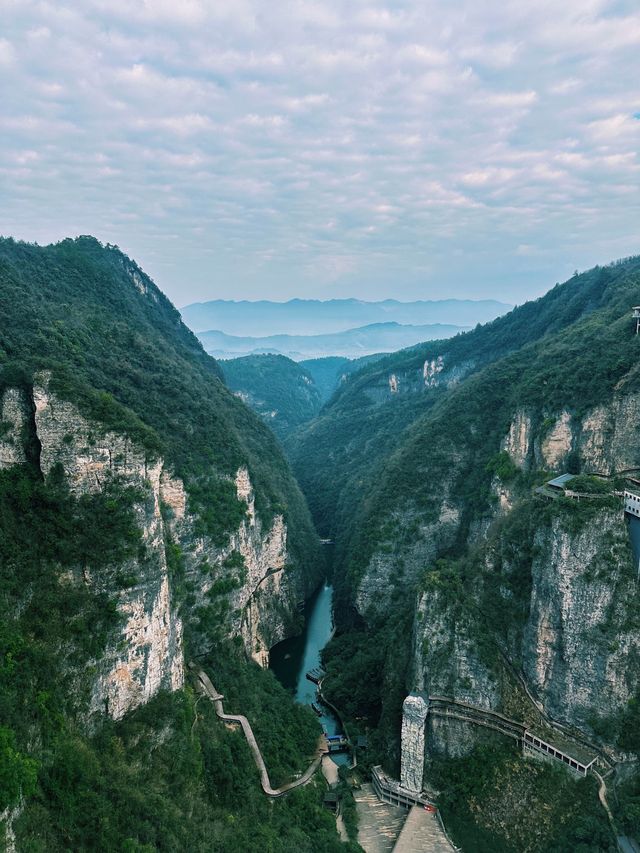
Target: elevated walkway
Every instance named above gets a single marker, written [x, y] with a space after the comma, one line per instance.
[391, 791]
[206, 688]
[552, 744]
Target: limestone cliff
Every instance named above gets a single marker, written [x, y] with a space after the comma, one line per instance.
[581, 641]
[145, 653]
[550, 599]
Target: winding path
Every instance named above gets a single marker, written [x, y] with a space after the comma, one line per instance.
[209, 690]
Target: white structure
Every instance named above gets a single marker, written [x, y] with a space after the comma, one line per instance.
[632, 504]
[414, 715]
[636, 317]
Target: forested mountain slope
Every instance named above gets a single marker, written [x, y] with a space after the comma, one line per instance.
[286, 393]
[328, 373]
[281, 391]
[335, 455]
[457, 578]
[146, 515]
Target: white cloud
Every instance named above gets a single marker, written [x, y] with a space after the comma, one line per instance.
[7, 52]
[376, 145]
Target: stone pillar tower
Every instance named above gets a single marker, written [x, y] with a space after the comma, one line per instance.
[414, 717]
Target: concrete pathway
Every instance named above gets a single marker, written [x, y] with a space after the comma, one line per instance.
[237, 719]
[330, 770]
[330, 773]
[422, 833]
[379, 824]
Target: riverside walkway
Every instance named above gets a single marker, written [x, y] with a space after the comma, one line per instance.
[207, 688]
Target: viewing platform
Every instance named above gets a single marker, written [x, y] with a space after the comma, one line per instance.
[576, 757]
[391, 791]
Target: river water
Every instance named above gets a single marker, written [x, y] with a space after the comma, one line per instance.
[291, 659]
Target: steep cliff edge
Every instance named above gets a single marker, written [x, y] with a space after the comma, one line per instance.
[522, 602]
[145, 513]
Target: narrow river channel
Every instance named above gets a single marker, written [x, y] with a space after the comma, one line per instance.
[293, 658]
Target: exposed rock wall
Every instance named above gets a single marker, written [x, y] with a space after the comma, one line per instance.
[610, 436]
[518, 440]
[578, 645]
[433, 373]
[581, 642]
[14, 422]
[414, 715]
[146, 653]
[607, 438]
[146, 656]
[385, 569]
[556, 444]
[7, 818]
[262, 609]
[446, 660]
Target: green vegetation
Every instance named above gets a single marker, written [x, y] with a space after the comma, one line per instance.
[51, 625]
[586, 484]
[281, 391]
[118, 350]
[627, 805]
[567, 350]
[411, 475]
[328, 372]
[493, 802]
[170, 777]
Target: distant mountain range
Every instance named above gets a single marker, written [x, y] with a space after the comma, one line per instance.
[352, 343]
[315, 317]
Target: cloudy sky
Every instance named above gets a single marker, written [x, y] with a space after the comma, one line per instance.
[260, 149]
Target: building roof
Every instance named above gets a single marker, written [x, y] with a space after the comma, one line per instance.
[561, 481]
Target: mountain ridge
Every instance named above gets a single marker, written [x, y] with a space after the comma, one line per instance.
[316, 316]
[350, 343]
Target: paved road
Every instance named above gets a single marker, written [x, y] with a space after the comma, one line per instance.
[422, 833]
[238, 719]
[379, 824]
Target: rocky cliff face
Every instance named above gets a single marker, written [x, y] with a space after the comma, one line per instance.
[145, 654]
[436, 372]
[567, 578]
[261, 604]
[581, 642]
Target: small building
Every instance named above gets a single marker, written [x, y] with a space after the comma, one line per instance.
[636, 317]
[632, 504]
[331, 801]
[560, 483]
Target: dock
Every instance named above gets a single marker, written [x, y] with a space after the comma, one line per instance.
[316, 675]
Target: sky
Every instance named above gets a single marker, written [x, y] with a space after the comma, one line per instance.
[241, 149]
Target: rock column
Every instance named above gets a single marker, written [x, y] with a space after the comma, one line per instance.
[414, 716]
